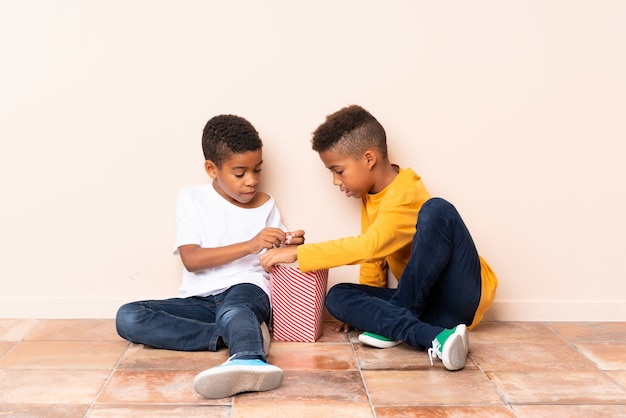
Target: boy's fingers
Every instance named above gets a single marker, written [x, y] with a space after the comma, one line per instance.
[264, 262]
[294, 237]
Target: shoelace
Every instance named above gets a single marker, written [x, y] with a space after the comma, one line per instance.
[433, 352]
[229, 359]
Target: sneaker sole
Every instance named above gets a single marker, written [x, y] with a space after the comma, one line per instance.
[374, 342]
[223, 382]
[454, 354]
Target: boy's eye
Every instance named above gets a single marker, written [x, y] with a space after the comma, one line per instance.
[257, 170]
[239, 175]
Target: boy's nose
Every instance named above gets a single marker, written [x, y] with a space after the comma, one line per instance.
[252, 181]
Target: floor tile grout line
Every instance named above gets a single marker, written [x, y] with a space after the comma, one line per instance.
[358, 365]
[108, 379]
[21, 340]
[596, 365]
[573, 346]
[11, 349]
[493, 385]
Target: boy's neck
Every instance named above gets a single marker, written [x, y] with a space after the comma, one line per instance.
[385, 176]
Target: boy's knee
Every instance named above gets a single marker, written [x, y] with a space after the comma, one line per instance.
[437, 204]
[232, 312]
[336, 294]
[126, 319]
[436, 208]
[339, 287]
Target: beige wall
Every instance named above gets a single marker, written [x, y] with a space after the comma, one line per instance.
[514, 110]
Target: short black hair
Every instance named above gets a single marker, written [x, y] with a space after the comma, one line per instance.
[353, 129]
[225, 135]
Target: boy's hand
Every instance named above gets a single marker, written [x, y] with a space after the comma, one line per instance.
[278, 255]
[267, 238]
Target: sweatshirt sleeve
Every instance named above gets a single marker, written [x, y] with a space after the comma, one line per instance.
[392, 228]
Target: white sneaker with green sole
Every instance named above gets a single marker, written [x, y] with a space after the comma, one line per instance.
[451, 346]
[377, 341]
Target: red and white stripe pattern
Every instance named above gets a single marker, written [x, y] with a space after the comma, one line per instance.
[298, 303]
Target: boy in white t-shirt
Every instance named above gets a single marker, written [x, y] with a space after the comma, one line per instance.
[224, 301]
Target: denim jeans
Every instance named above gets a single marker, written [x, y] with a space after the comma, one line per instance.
[439, 288]
[196, 323]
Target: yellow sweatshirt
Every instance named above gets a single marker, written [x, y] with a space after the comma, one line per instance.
[388, 221]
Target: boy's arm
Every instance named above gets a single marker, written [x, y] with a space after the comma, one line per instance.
[393, 229]
[196, 258]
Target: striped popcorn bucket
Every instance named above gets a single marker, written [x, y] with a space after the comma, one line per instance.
[298, 303]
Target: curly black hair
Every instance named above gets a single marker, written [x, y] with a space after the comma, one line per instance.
[225, 135]
[353, 129]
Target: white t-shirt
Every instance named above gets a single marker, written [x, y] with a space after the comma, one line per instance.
[205, 218]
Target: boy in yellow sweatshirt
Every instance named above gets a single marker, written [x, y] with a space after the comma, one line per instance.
[444, 286]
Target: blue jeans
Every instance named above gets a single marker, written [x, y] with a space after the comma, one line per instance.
[196, 323]
[439, 288]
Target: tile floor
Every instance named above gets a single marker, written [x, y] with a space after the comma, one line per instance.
[76, 368]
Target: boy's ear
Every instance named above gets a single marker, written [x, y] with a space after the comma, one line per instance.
[210, 168]
[370, 158]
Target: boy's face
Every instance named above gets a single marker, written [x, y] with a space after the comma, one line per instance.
[352, 175]
[238, 177]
